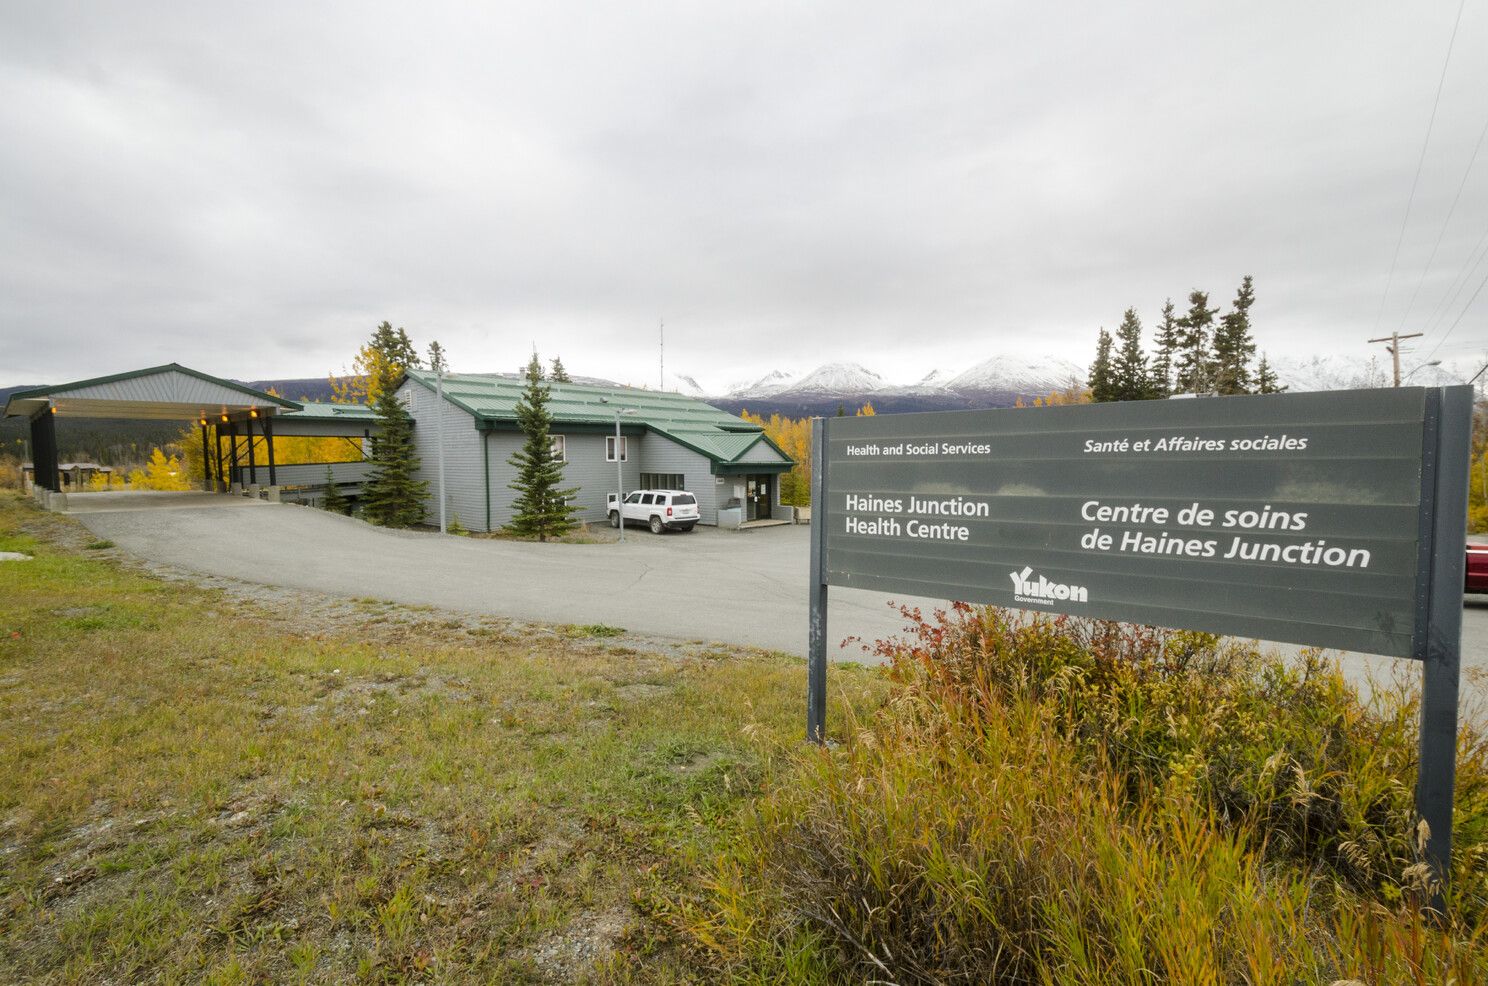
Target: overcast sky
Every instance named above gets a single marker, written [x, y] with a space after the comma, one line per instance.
[249, 188]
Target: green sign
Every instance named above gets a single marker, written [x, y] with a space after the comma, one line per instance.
[1290, 517]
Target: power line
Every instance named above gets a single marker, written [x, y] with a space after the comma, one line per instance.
[1466, 306]
[1420, 163]
[1460, 281]
[1445, 223]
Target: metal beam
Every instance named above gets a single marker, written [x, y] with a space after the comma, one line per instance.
[816, 644]
[268, 427]
[206, 457]
[1445, 476]
[252, 465]
[44, 451]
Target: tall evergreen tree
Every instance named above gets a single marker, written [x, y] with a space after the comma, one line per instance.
[1130, 379]
[1165, 349]
[1102, 380]
[392, 496]
[388, 348]
[437, 361]
[1194, 372]
[560, 375]
[540, 508]
[395, 345]
[1266, 382]
[1233, 346]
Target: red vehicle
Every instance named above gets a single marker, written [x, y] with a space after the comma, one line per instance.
[1477, 568]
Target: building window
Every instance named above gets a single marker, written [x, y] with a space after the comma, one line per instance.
[559, 447]
[663, 481]
[610, 449]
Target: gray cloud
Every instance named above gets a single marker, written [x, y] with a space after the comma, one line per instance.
[249, 190]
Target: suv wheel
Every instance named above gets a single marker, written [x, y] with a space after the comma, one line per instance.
[614, 518]
[656, 526]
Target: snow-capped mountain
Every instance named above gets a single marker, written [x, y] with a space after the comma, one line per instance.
[1018, 375]
[771, 383]
[1340, 372]
[681, 383]
[1001, 380]
[836, 380]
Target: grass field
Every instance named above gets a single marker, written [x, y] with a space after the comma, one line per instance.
[198, 787]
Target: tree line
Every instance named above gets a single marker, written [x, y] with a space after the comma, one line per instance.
[793, 435]
[1192, 353]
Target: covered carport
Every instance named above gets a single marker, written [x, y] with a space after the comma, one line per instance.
[235, 423]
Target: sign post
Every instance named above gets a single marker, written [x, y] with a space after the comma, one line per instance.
[1332, 520]
[816, 644]
[1447, 461]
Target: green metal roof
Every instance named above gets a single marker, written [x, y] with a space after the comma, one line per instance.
[156, 399]
[492, 399]
[334, 412]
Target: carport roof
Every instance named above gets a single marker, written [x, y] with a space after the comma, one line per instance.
[166, 392]
[720, 436]
[334, 412]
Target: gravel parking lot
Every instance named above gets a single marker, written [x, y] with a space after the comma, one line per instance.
[746, 587]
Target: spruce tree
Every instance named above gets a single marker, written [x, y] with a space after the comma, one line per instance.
[560, 375]
[1233, 346]
[1101, 380]
[392, 496]
[335, 501]
[1194, 372]
[395, 346]
[1165, 349]
[1266, 382]
[437, 362]
[1130, 380]
[540, 508]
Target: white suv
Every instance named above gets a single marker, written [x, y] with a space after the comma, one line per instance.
[663, 510]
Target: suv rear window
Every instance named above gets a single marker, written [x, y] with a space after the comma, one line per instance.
[684, 498]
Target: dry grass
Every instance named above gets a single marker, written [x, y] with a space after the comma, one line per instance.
[1051, 802]
[195, 789]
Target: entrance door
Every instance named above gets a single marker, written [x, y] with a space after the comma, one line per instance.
[760, 495]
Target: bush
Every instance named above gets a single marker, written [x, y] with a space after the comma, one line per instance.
[1057, 801]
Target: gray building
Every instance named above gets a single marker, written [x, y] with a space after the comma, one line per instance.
[667, 441]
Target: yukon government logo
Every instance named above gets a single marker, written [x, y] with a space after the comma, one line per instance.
[1027, 589]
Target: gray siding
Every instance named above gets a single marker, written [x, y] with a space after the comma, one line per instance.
[586, 469]
[167, 387]
[306, 473]
[761, 452]
[465, 496]
[290, 426]
[661, 454]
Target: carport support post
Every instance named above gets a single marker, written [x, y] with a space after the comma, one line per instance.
[268, 430]
[44, 450]
[232, 455]
[221, 483]
[816, 643]
[252, 465]
[1445, 473]
[206, 458]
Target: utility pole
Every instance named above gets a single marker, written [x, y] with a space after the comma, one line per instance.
[1394, 348]
[661, 341]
